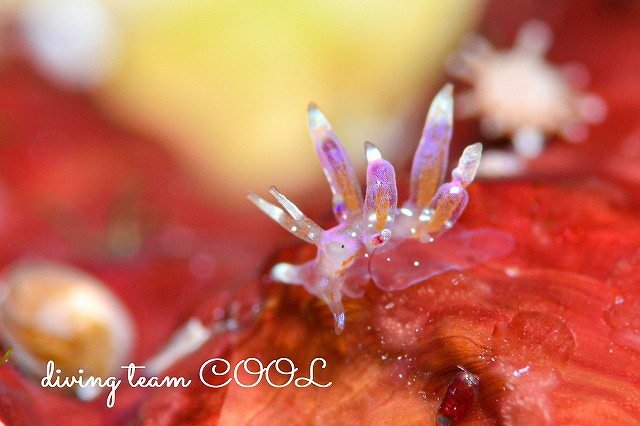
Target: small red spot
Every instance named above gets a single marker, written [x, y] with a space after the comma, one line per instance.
[459, 398]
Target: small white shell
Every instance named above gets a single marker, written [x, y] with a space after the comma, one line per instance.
[54, 312]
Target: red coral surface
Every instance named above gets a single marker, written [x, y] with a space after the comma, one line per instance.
[552, 330]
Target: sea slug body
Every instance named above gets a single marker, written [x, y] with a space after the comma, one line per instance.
[375, 238]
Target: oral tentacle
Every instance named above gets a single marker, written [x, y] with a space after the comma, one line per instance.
[307, 226]
[279, 216]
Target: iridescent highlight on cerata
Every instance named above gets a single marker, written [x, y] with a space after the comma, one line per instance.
[373, 230]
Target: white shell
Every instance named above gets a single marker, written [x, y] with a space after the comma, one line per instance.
[51, 311]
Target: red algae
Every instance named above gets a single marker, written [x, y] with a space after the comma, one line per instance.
[622, 314]
[535, 336]
[551, 331]
[15, 407]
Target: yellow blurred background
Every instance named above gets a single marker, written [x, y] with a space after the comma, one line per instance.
[225, 84]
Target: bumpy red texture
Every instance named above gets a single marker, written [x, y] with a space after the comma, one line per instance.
[551, 331]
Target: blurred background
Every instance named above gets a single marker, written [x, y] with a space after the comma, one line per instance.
[224, 85]
[131, 130]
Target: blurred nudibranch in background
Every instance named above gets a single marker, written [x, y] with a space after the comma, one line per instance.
[518, 94]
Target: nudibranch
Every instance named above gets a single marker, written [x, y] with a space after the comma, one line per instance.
[517, 93]
[374, 239]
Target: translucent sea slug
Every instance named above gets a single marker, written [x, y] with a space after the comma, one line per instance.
[374, 239]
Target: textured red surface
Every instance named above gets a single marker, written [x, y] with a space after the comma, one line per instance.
[74, 188]
[552, 330]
